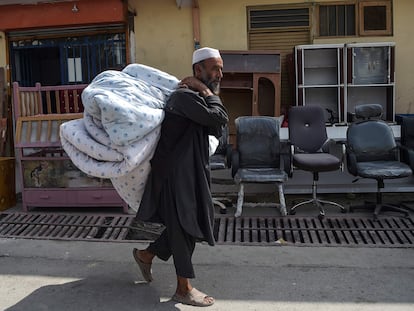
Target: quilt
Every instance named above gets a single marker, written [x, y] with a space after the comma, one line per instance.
[120, 128]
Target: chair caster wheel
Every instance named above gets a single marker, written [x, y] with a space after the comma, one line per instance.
[321, 217]
[344, 211]
[292, 212]
[223, 211]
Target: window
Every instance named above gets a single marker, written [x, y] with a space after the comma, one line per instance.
[278, 18]
[375, 18]
[360, 17]
[337, 20]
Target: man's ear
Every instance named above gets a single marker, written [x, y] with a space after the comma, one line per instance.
[197, 70]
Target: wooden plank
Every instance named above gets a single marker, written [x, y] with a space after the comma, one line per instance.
[49, 130]
[39, 130]
[66, 97]
[57, 102]
[29, 131]
[76, 107]
[48, 102]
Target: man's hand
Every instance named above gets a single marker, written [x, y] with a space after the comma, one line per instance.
[196, 85]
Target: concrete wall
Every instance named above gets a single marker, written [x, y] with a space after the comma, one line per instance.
[164, 36]
[3, 60]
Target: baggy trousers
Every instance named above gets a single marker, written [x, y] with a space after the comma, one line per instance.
[176, 242]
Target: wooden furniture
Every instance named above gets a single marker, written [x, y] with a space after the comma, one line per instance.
[339, 77]
[250, 85]
[7, 183]
[48, 176]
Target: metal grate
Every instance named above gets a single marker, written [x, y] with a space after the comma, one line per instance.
[263, 230]
[387, 232]
[64, 227]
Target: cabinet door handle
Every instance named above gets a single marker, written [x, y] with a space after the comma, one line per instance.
[44, 196]
[97, 196]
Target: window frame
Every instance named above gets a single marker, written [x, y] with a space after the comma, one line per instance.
[355, 3]
[388, 18]
[359, 18]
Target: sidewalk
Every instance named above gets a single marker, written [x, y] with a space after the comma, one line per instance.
[58, 275]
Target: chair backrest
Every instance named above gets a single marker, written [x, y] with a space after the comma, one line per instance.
[371, 139]
[223, 140]
[407, 132]
[368, 111]
[258, 141]
[307, 128]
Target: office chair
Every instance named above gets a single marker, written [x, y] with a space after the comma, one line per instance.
[221, 160]
[407, 150]
[256, 157]
[372, 152]
[309, 150]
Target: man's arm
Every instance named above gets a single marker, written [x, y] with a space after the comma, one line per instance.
[208, 111]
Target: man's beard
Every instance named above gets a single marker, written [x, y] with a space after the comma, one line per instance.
[213, 85]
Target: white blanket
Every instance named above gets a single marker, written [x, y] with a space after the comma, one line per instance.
[119, 131]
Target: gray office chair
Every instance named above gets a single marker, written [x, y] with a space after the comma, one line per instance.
[257, 156]
[310, 150]
[372, 152]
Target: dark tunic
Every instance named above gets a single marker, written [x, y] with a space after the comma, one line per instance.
[180, 173]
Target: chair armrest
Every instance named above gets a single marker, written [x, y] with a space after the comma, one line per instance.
[235, 162]
[343, 156]
[351, 162]
[288, 160]
[406, 155]
[229, 150]
[327, 145]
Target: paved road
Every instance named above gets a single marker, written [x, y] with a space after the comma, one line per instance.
[38, 275]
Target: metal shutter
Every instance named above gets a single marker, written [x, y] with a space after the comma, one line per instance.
[282, 39]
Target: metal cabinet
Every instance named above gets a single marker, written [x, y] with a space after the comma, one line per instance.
[339, 77]
[320, 78]
[370, 77]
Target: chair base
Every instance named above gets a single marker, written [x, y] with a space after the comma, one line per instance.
[221, 205]
[240, 199]
[379, 207]
[316, 202]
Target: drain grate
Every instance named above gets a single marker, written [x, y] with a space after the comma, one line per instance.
[271, 230]
[388, 232]
[64, 227]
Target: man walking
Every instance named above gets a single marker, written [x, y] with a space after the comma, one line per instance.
[177, 192]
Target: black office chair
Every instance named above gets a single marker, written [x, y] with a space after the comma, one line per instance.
[310, 150]
[256, 157]
[407, 150]
[221, 160]
[407, 141]
[372, 152]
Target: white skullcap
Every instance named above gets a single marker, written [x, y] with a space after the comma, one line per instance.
[204, 53]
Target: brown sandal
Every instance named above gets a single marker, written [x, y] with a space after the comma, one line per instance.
[144, 267]
[194, 298]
